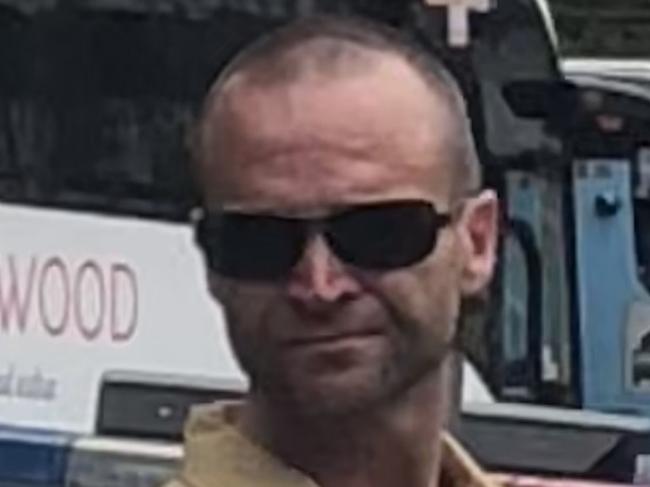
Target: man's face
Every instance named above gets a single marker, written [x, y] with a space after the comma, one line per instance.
[331, 337]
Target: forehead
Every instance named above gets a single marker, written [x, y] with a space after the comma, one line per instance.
[324, 140]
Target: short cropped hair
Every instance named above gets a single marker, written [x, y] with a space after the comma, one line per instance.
[328, 44]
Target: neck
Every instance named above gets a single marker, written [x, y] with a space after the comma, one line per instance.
[391, 444]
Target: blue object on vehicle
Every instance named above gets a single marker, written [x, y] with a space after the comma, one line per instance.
[33, 457]
[614, 306]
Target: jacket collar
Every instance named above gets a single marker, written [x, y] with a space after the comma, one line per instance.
[217, 454]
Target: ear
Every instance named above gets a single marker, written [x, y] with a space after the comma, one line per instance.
[479, 233]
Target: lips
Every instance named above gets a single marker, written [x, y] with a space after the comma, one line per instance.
[332, 338]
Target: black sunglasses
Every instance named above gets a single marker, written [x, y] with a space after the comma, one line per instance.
[376, 236]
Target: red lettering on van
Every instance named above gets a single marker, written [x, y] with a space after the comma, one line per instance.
[120, 332]
[16, 296]
[53, 295]
[87, 273]
[52, 267]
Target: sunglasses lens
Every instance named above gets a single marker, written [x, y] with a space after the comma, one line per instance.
[250, 247]
[381, 236]
[386, 236]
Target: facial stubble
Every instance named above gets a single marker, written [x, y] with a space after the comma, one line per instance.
[412, 357]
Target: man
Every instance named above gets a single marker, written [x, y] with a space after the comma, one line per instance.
[343, 225]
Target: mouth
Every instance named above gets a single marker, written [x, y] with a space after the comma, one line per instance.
[334, 339]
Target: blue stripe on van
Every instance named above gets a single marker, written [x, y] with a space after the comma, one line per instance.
[33, 456]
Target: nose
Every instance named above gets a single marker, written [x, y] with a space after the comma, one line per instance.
[320, 278]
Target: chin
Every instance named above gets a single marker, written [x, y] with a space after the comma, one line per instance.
[337, 394]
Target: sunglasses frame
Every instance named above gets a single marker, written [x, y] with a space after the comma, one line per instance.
[307, 227]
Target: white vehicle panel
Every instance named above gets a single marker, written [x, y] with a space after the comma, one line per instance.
[82, 295]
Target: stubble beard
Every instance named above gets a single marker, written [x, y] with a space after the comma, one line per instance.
[366, 388]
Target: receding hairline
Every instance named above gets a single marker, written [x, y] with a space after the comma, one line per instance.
[325, 43]
[341, 47]
[324, 57]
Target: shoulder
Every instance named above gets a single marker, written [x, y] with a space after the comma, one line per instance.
[177, 482]
[459, 469]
